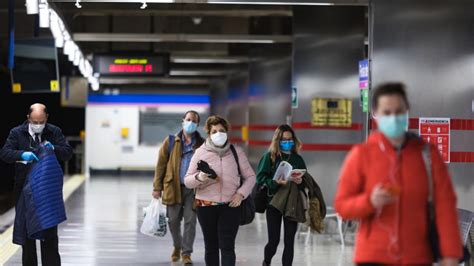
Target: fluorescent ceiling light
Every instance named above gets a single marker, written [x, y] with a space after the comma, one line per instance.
[68, 47]
[267, 3]
[197, 72]
[44, 20]
[155, 80]
[208, 60]
[55, 29]
[48, 18]
[95, 86]
[77, 57]
[199, 38]
[72, 54]
[32, 7]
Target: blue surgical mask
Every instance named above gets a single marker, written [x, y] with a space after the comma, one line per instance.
[393, 126]
[189, 127]
[287, 145]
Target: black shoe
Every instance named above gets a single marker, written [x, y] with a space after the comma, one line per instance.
[265, 264]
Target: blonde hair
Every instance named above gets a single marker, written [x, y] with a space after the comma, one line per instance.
[216, 120]
[277, 136]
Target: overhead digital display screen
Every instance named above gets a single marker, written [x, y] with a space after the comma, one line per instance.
[131, 65]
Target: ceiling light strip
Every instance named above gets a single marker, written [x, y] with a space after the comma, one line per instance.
[49, 18]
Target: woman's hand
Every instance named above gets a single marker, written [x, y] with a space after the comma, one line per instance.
[297, 179]
[449, 262]
[282, 182]
[236, 200]
[203, 176]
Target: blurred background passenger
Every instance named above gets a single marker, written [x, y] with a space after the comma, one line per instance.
[384, 183]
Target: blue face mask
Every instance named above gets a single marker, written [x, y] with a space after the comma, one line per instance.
[287, 145]
[189, 127]
[393, 126]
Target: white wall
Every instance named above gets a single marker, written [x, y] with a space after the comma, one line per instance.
[106, 149]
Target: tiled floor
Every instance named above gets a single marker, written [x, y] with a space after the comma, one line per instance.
[104, 216]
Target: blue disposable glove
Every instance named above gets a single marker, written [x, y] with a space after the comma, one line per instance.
[29, 156]
[48, 145]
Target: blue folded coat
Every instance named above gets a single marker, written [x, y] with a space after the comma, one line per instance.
[41, 204]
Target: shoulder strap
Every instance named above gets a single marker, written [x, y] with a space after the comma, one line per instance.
[236, 157]
[170, 145]
[427, 161]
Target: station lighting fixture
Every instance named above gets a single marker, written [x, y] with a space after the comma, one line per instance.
[78, 4]
[72, 52]
[48, 18]
[309, 3]
[44, 19]
[77, 57]
[32, 7]
[56, 29]
[81, 65]
[144, 5]
[68, 47]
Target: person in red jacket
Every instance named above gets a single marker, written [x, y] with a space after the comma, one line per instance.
[384, 184]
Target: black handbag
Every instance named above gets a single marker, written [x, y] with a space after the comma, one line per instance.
[433, 231]
[260, 198]
[247, 207]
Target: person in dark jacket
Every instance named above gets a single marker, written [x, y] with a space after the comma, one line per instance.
[19, 149]
[284, 147]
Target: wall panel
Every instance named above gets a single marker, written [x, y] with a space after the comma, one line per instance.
[329, 42]
[429, 46]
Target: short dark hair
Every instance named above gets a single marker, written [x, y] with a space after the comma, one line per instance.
[393, 88]
[194, 112]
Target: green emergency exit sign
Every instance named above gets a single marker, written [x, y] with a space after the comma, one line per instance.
[364, 97]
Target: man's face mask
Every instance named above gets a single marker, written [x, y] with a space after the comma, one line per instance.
[393, 126]
[37, 128]
[189, 127]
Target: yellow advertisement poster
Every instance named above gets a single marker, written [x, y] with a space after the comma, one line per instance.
[331, 112]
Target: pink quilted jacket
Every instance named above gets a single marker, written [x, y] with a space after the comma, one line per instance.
[228, 182]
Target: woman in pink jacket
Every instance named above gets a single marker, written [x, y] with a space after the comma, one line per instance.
[218, 199]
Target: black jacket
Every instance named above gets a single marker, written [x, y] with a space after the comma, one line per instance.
[19, 140]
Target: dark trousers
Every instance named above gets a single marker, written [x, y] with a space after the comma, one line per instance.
[274, 218]
[49, 250]
[219, 225]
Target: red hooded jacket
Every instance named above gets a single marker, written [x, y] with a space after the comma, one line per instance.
[398, 234]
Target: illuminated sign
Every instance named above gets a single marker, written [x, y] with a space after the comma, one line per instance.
[331, 112]
[131, 65]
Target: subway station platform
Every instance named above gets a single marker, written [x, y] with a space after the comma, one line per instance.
[105, 214]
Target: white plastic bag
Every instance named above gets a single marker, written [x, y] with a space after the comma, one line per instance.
[154, 223]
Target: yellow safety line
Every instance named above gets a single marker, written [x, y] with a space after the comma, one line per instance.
[7, 248]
